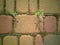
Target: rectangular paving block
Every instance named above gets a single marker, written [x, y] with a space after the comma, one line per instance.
[50, 24]
[1, 5]
[22, 5]
[26, 24]
[52, 40]
[10, 40]
[9, 5]
[38, 40]
[33, 6]
[49, 6]
[26, 40]
[59, 24]
[5, 24]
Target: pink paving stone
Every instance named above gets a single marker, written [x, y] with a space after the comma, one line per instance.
[59, 24]
[1, 5]
[50, 24]
[38, 40]
[33, 6]
[26, 40]
[5, 24]
[10, 5]
[10, 40]
[26, 24]
[22, 5]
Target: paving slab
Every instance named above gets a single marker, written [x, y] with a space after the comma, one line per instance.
[49, 7]
[10, 40]
[5, 24]
[22, 5]
[26, 24]
[50, 24]
[26, 40]
[52, 40]
[33, 6]
[9, 6]
[1, 5]
[38, 40]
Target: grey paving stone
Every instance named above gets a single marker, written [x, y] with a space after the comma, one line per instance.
[52, 40]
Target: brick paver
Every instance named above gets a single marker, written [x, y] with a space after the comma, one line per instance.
[38, 40]
[26, 40]
[26, 24]
[33, 6]
[22, 5]
[10, 5]
[49, 7]
[5, 24]
[52, 40]
[1, 5]
[10, 40]
[50, 24]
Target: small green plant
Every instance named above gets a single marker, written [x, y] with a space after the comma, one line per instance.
[13, 13]
[40, 13]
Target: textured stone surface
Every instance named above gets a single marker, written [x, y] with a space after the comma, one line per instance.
[5, 24]
[38, 40]
[10, 5]
[26, 40]
[50, 6]
[1, 5]
[59, 24]
[26, 24]
[22, 5]
[10, 40]
[52, 40]
[33, 6]
[50, 24]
